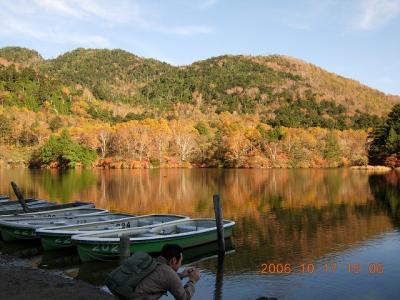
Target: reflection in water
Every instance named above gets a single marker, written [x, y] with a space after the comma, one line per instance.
[96, 272]
[64, 183]
[386, 190]
[59, 259]
[190, 191]
[282, 216]
[219, 277]
[25, 249]
[205, 252]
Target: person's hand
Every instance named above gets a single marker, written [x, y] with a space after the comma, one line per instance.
[194, 275]
[186, 272]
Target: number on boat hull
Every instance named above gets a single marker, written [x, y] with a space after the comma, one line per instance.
[106, 248]
[61, 241]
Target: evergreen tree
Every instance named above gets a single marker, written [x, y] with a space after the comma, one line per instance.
[385, 139]
[5, 129]
[55, 123]
[201, 128]
[392, 141]
[332, 152]
[62, 150]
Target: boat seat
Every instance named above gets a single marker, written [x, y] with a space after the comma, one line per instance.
[201, 228]
[185, 228]
[166, 232]
[147, 234]
[144, 223]
[60, 223]
[111, 227]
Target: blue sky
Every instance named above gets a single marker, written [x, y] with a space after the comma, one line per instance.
[359, 39]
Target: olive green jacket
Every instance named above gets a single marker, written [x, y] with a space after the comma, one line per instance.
[161, 280]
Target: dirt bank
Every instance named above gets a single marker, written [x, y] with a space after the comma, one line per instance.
[18, 280]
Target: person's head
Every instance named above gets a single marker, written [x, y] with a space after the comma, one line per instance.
[173, 254]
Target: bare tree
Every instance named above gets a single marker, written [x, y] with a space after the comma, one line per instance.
[103, 137]
[185, 142]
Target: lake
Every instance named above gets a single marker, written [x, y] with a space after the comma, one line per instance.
[323, 233]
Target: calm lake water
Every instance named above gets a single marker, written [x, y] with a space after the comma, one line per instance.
[337, 230]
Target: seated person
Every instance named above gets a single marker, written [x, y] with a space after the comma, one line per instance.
[165, 277]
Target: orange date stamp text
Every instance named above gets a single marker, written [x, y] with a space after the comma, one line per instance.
[350, 267]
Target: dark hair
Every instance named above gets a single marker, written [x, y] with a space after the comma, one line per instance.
[170, 251]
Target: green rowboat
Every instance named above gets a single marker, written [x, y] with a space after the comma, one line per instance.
[21, 227]
[8, 204]
[60, 236]
[40, 207]
[186, 233]
[64, 212]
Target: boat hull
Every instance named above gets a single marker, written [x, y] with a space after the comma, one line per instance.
[110, 250]
[50, 242]
[60, 237]
[10, 234]
[11, 231]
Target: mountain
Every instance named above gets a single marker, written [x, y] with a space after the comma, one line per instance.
[114, 75]
[231, 110]
[330, 86]
[280, 89]
[20, 56]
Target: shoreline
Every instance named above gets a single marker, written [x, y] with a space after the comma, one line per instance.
[123, 165]
[20, 280]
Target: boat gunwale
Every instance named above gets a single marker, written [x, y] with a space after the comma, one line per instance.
[36, 214]
[31, 201]
[86, 239]
[11, 224]
[77, 205]
[49, 231]
[30, 205]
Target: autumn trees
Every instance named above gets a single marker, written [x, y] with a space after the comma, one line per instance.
[230, 111]
[222, 140]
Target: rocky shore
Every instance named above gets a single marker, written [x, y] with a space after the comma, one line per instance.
[20, 281]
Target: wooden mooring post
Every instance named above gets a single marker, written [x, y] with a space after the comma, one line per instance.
[20, 197]
[219, 220]
[124, 251]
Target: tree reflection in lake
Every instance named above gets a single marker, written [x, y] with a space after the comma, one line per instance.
[282, 216]
[386, 190]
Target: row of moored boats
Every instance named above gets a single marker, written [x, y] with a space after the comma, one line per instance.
[96, 232]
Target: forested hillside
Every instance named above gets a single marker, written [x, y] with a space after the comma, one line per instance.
[235, 111]
[19, 56]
